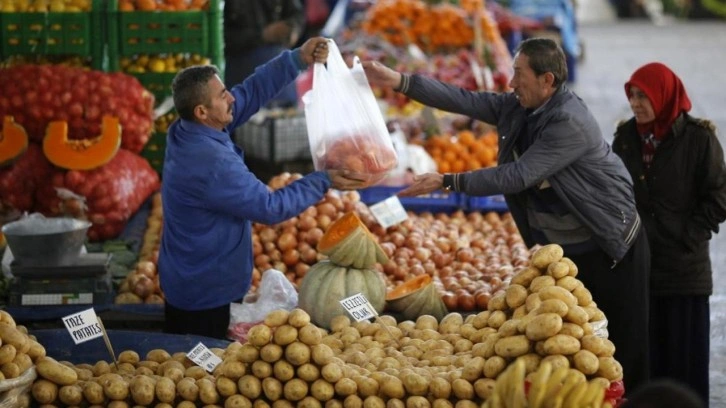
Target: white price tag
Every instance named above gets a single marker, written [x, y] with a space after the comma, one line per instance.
[83, 326]
[389, 212]
[359, 307]
[203, 357]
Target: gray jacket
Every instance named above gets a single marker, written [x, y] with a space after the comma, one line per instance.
[568, 152]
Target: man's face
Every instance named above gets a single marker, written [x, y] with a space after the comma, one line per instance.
[531, 89]
[640, 105]
[217, 113]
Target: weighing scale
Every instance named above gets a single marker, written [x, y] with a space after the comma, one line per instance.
[87, 280]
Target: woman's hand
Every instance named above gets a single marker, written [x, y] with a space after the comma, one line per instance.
[314, 50]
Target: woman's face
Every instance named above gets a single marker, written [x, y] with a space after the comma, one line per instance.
[640, 105]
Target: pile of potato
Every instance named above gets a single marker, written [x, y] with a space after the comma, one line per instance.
[18, 351]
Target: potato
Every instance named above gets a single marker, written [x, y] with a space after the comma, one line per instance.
[226, 387]
[415, 384]
[515, 295]
[512, 346]
[417, 402]
[259, 335]
[541, 282]
[310, 402]
[442, 403]
[321, 354]
[451, 323]
[207, 391]
[237, 401]
[7, 353]
[441, 388]
[129, 356]
[547, 255]
[322, 390]
[572, 329]
[586, 362]
[598, 346]
[248, 353]
[52, 370]
[561, 344]
[509, 328]
[261, 404]
[271, 352]
[187, 389]
[261, 369]
[276, 318]
[577, 315]
[281, 403]
[285, 335]
[583, 296]
[70, 395]
[391, 403]
[525, 276]
[496, 319]
[7, 318]
[272, 388]
[573, 268]
[308, 372]
[462, 389]
[352, 401]
[142, 390]
[486, 348]
[532, 302]
[519, 312]
[298, 318]
[494, 366]
[93, 393]
[10, 334]
[115, 387]
[295, 390]
[250, 386]
[610, 369]
[497, 302]
[373, 401]
[366, 386]
[556, 361]
[392, 387]
[484, 387]
[158, 355]
[331, 372]
[531, 361]
[35, 350]
[44, 391]
[558, 270]
[557, 292]
[345, 387]
[480, 320]
[543, 326]
[197, 372]
[472, 369]
[232, 369]
[310, 335]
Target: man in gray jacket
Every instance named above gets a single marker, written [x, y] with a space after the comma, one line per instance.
[562, 182]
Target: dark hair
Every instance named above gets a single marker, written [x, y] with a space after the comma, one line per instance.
[545, 56]
[189, 89]
[664, 394]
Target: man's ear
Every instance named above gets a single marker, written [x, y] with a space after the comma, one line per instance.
[549, 79]
[200, 112]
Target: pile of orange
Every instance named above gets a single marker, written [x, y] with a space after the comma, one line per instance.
[163, 5]
[464, 151]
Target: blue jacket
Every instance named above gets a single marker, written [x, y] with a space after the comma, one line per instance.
[210, 199]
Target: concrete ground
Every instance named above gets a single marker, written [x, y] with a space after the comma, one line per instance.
[696, 51]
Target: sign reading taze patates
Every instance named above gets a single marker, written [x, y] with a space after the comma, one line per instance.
[83, 326]
[358, 307]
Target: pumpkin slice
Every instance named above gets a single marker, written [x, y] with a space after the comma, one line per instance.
[348, 242]
[325, 284]
[82, 154]
[13, 141]
[416, 297]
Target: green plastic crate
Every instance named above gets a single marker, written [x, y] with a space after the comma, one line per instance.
[158, 84]
[154, 151]
[161, 32]
[54, 33]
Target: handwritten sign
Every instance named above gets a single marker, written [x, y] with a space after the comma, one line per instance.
[83, 326]
[389, 212]
[359, 307]
[203, 357]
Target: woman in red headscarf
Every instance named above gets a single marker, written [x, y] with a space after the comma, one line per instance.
[679, 176]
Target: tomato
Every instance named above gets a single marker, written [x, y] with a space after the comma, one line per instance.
[616, 390]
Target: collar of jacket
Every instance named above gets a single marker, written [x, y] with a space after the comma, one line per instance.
[196, 128]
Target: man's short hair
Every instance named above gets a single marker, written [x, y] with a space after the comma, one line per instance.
[545, 56]
[189, 89]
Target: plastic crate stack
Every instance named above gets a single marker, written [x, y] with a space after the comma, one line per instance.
[62, 31]
[154, 39]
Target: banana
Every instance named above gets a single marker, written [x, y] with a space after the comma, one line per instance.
[574, 398]
[592, 394]
[554, 384]
[537, 388]
[517, 396]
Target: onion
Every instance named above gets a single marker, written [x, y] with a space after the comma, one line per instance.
[291, 257]
[146, 268]
[286, 241]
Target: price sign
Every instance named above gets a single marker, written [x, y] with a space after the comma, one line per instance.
[203, 357]
[359, 307]
[83, 326]
[389, 212]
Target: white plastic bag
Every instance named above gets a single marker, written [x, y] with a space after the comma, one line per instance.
[345, 125]
[275, 292]
[600, 328]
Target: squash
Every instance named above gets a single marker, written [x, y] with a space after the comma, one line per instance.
[348, 242]
[416, 297]
[325, 284]
[82, 154]
[13, 141]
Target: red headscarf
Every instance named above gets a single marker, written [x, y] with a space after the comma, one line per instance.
[666, 94]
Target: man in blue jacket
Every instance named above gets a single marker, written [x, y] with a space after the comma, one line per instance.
[210, 198]
[562, 182]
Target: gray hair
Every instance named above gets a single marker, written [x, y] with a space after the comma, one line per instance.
[189, 89]
[545, 56]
